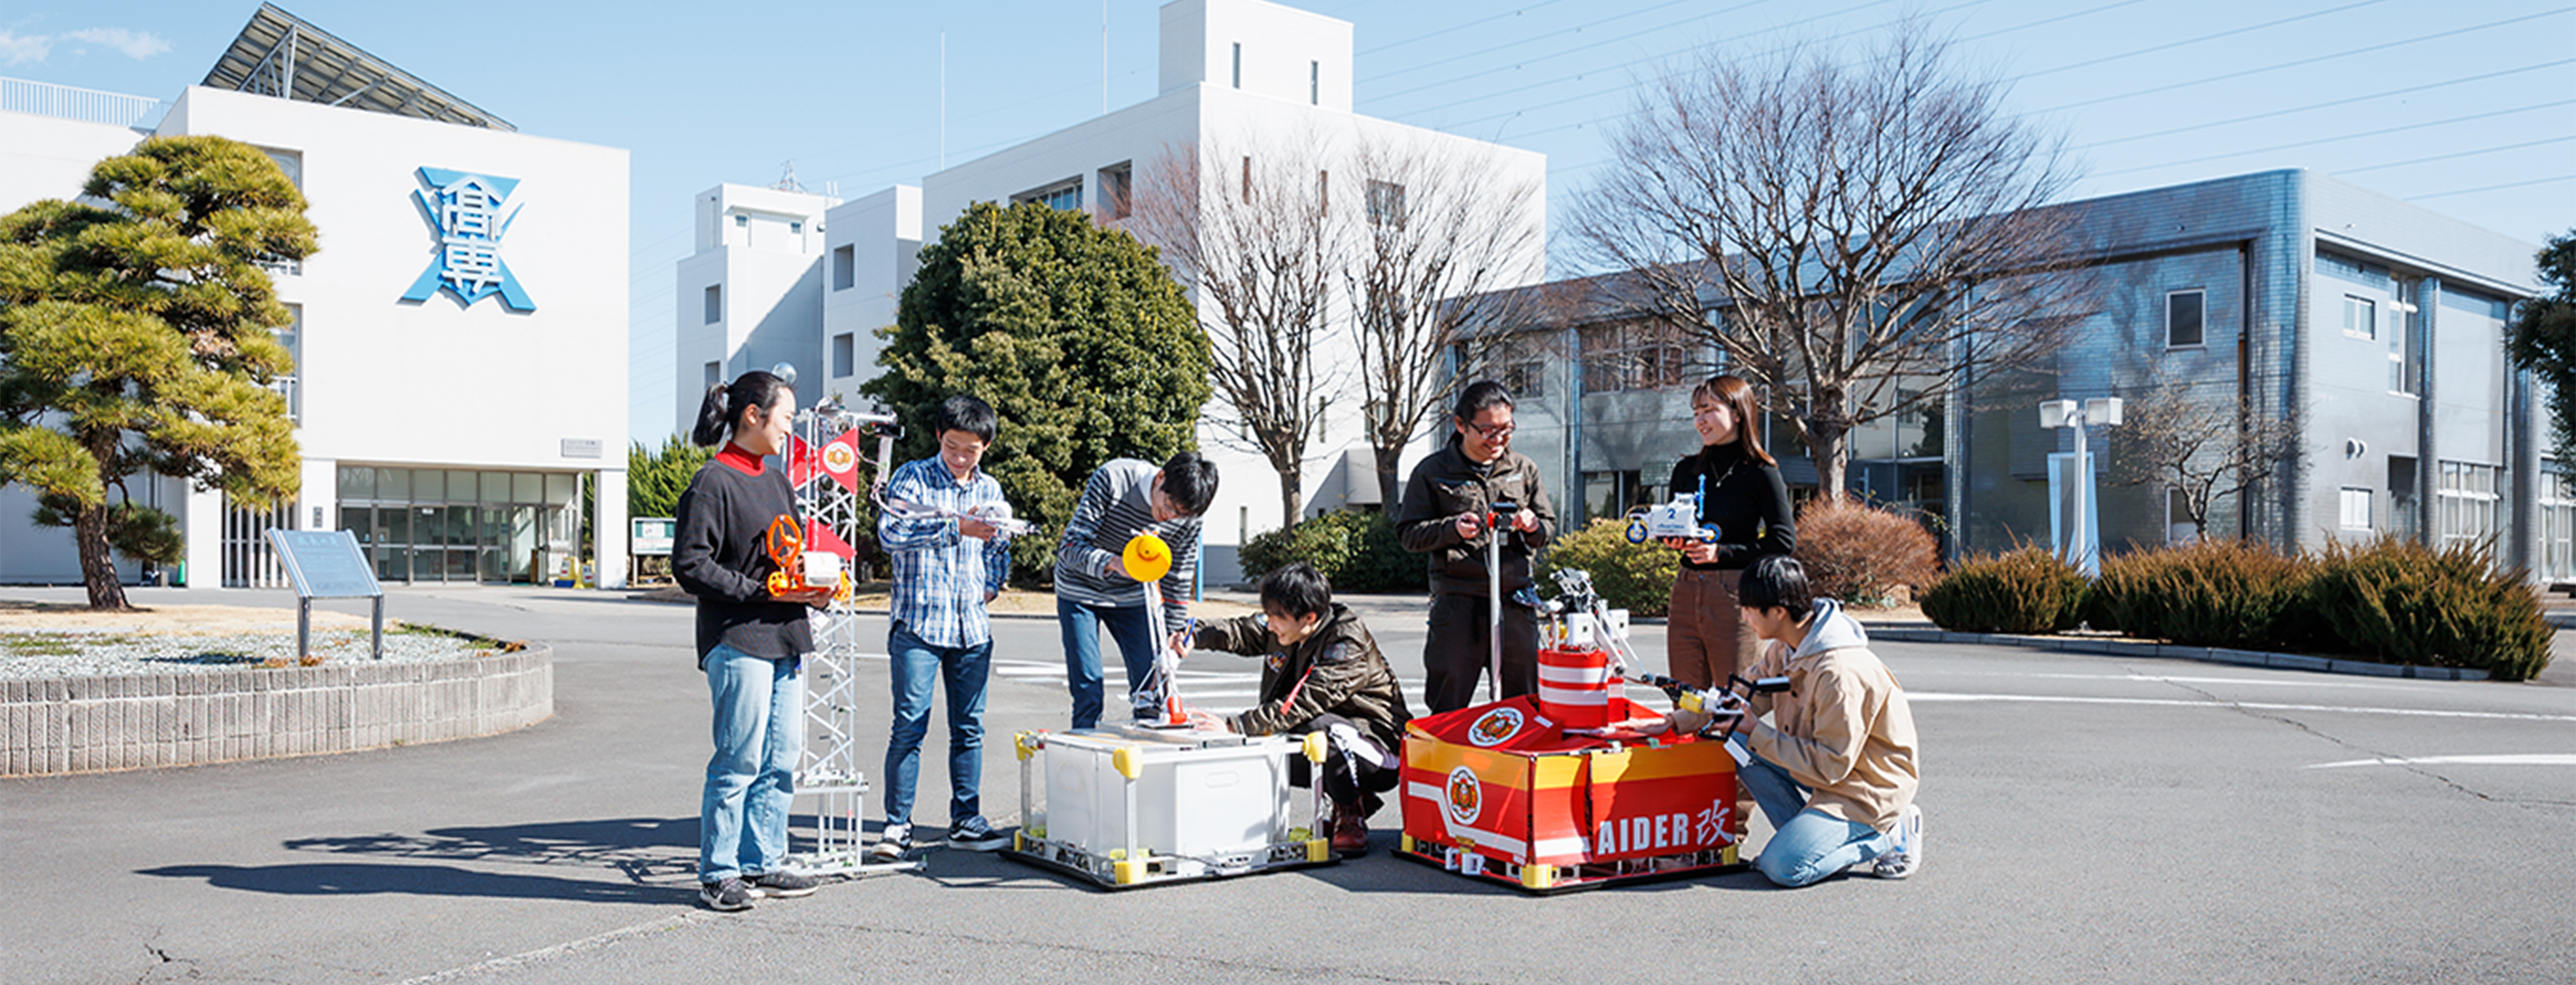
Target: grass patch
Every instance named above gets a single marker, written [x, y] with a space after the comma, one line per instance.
[39, 645]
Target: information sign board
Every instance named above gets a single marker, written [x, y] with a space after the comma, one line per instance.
[652, 536]
[327, 564]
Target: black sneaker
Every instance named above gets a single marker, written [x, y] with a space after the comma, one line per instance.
[975, 834]
[783, 884]
[727, 896]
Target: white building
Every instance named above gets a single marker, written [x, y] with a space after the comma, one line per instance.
[447, 410]
[1239, 79]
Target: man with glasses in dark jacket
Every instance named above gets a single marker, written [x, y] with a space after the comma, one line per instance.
[1447, 503]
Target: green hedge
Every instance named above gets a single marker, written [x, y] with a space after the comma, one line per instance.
[1635, 577]
[2391, 601]
[2402, 602]
[1357, 551]
[2213, 593]
[2026, 591]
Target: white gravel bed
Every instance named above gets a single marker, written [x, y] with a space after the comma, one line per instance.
[76, 653]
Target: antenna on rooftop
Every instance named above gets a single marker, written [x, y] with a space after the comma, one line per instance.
[787, 177]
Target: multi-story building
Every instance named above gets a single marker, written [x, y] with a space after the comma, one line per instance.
[460, 340]
[1240, 80]
[2374, 328]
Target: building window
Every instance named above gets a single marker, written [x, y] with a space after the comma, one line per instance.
[2557, 523]
[1117, 189]
[1314, 83]
[2405, 350]
[795, 228]
[1238, 64]
[715, 303]
[714, 374]
[1633, 356]
[2355, 508]
[1609, 494]
[845, 354]
[741, 221]
[1386, 204]
[2402, 498]
[2183, 328]
[1525, 379]
[1064, 195]
[845, 267]
[2468, 503]
[292, 338]
[2360, 317]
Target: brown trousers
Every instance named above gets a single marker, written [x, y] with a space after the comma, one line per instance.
[1705, 639]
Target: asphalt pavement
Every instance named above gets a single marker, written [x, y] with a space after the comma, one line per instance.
[2088, 818]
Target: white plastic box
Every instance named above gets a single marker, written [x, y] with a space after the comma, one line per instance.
[1133, 805]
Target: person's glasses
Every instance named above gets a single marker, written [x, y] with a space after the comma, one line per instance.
[1493, 432]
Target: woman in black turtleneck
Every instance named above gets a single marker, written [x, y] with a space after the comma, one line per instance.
[1741, 494]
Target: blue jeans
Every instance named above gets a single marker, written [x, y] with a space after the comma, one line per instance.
[917, 666]
[751, 779]
[1082, 624]
[1808, 844]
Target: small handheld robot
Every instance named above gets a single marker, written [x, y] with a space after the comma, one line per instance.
[799, 569]
[1676, 520]
[997, 514]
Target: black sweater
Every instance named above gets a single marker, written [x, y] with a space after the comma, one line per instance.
[1746, 500]
[721, 555]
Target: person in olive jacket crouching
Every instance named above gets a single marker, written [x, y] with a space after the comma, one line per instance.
[1322, 673]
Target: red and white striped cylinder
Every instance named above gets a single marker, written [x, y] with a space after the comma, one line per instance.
[1574, 686]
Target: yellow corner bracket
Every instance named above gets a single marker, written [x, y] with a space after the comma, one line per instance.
[1315, 748]
[1538, 875]
[1026, 744]
[1131, 871]
[1129, 761]
[1319, 850]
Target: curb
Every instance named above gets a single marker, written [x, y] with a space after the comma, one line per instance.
[2204, 654]
[59, 725]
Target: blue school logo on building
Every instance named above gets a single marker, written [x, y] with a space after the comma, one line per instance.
[468, 213]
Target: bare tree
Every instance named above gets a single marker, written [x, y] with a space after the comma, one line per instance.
[1856, 238]
[2203, 448]
[1441, 235]
[1252, 239]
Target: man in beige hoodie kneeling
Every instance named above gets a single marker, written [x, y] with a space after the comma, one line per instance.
[1834, 768]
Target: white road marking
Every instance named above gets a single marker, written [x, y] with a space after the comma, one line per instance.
[1940, 697]
[591, 943]
[2298, 682]
[2497, 759]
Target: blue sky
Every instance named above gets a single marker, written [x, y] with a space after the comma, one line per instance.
[2466, 108]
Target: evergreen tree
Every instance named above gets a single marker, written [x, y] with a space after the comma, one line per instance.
[1078, 337]
[2543, 339]
[655, 479]
[136, 337]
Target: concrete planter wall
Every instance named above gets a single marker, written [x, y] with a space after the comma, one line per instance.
[92, 724]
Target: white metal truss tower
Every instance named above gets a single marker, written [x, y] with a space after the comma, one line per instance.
[830, 773]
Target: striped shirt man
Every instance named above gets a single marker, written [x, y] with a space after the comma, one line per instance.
[941, 576]
[1116, 505]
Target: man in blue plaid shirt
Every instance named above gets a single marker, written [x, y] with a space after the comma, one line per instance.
[946, 570]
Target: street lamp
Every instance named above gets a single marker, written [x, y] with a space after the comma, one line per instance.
[2078, 547]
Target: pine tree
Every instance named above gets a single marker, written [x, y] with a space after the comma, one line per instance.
[136, 338]
[2543, 339]
[1078, 337]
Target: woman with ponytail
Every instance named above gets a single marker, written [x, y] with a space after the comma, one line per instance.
[751, 643]
[1742, 495]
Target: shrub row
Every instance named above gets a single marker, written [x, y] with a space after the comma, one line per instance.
[1864, 555]
[2392, 601]
[1357, 551]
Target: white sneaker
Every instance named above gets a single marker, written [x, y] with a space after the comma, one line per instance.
[897, 840]
[1907, 855]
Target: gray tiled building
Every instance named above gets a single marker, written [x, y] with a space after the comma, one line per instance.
[2375, 327]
